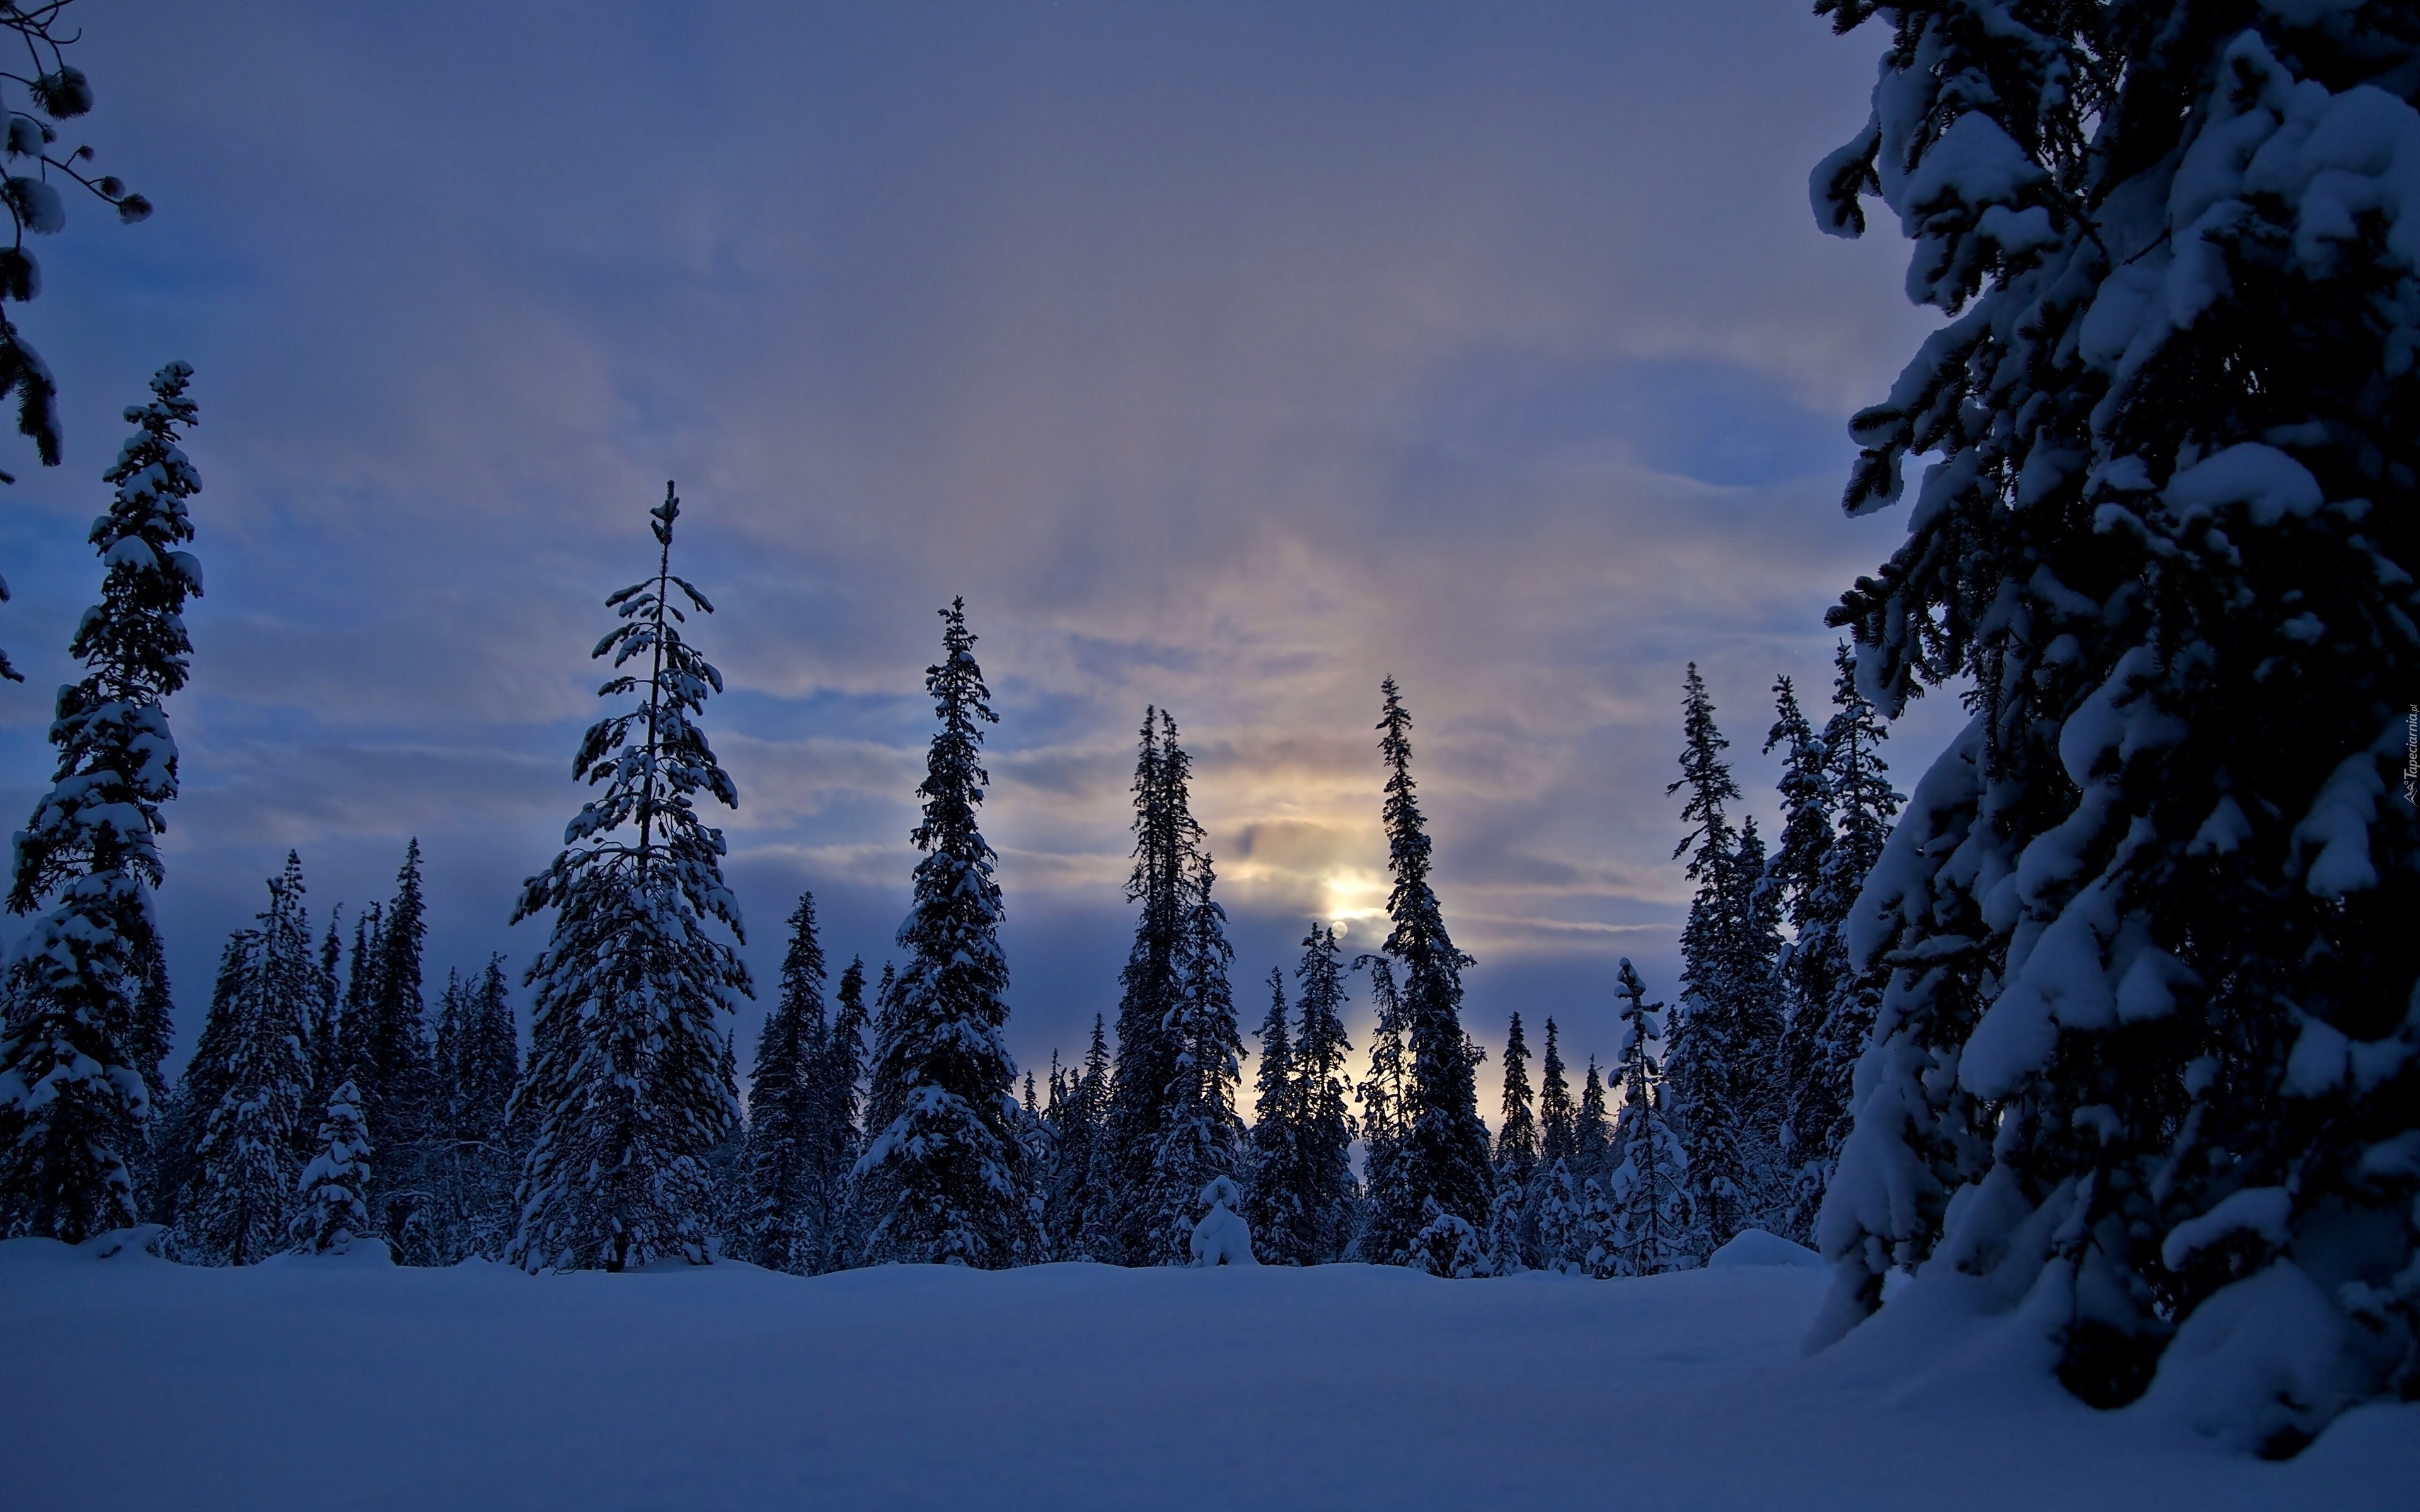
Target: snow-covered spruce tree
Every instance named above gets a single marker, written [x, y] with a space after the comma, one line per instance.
[1756, 949]
[390, 1067]
[781, 1226]
[1726, 1027]
[1273, 1202]
[1324, 1121]
[1558, 1120]
[1201, 1136]
[472, 1163]
[177, 1133]
[945, 1172]
[1812, 968]
[1837, 806]
[1167, 857]
[1445, 1142]
[2148, 1053]
[330, 1060]
[1391, 1212]
[1072, 1209]
[256, 1133]
[1650, 1226]
[148, 1043]
[1592, 1130]
[444, 1198]
[331, 1211]
[82, 1026]
[1563, 1237]
[838, 1132]
[1445, 1246]
[1512, 1236]
[628, 1088]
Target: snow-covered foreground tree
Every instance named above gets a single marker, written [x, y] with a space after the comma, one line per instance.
[629, 1083]
[2149, 1053]
[944, 1178]
[82, 1031]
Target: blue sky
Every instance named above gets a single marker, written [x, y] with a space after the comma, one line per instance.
[1228, 358]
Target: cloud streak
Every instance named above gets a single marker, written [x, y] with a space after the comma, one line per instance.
[1227, 359]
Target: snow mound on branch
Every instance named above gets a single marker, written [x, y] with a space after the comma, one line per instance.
[1754, 1247]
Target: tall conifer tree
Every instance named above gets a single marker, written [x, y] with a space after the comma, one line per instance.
[1558, 1123]
[254, 1133]
[839, 1133]
[629, 1082]
[83, 1011]
[2149, 1056]
[1445, 1142]
[1272, 1200]
[1390, 1210]
[947, 1172]
[1078, 1208]
[392, 1069]
[1201, 1136]
[783, 1222]
[1725, 1031]
[1651, 1225]
[1324, 1120]
[1512, 1240]
[1167, 865]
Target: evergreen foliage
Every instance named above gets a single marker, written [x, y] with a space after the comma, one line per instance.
[1390, 1209]
[1201, 1138]
[838, 1132]
[84, 1007]
[781, 1226]
[249, 1087]
[331, 1213]
[1557, 1118]
[2148, 1048]
[1168, 864]
[1076, 1209]
[391, 1066]
[1650, 1224]
[630, 1088]
[1274, 1203]
[1323, 1129]
[1445, 1246]
[472, 1162]
[57, 91]
[1592, 1130]
[1304, 1197]
[1720, 1062]
[1838, 807]
[947, 1171]
[1445, 1144]
[1511, 1237]
[1564, 1239]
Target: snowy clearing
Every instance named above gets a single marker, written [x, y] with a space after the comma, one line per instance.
[336, 1382]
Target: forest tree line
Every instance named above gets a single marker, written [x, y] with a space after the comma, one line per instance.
[328, 1100]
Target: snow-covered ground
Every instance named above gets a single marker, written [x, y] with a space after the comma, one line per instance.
[132, 1382]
